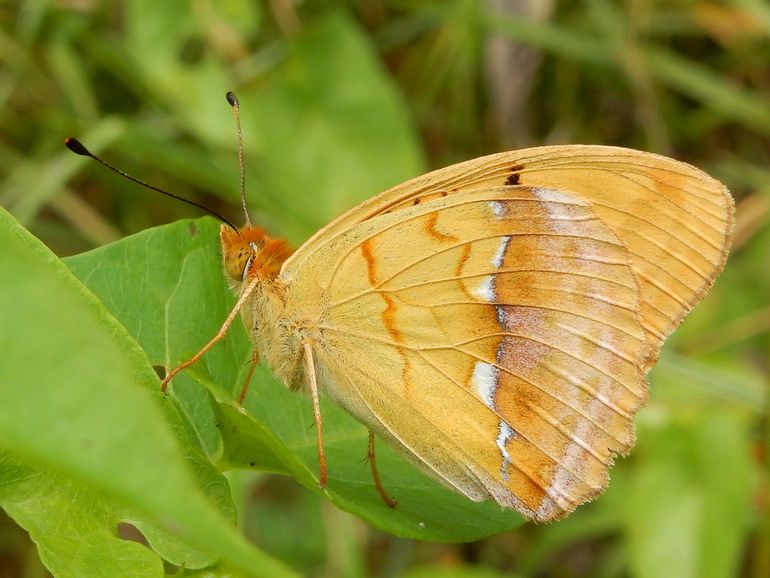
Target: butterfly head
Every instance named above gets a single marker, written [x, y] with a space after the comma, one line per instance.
[249, 251]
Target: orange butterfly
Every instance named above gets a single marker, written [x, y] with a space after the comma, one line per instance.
[494, 321]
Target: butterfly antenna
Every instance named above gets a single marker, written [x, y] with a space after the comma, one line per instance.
[79, 149]
[233, 100]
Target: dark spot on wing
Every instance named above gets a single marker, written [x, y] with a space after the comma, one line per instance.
[193, 229]
[514, 178]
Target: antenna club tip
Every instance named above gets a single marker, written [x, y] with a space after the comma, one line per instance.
[77, 147]
[232, 99]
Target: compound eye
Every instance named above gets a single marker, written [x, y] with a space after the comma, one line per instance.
[236, 259]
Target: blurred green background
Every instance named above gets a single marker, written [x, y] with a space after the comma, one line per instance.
[341, 100]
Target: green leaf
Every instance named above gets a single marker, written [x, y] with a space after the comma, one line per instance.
[166, 286]
[332, 129]
[75, 528]
[80, 408]
[179, 66]
[688, 504]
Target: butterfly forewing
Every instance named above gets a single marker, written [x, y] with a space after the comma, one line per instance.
[674, 220]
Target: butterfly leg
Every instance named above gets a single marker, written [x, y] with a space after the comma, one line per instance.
[218, 337]
[391, 502]
[247, 381]
[310, 370]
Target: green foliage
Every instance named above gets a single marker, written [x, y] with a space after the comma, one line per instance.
[340, 100]
[84, 428]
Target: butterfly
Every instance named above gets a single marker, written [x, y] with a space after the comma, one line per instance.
[493, 321]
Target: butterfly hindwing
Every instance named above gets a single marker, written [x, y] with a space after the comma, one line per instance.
[493, 334]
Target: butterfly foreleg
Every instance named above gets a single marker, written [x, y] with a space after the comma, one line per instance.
[247, 290]
[312, 383]
[391, 502]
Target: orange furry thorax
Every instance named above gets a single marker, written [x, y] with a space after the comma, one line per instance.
[251, 246]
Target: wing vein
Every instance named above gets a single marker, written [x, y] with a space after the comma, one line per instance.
[419, 215]
[547, 454]
[456, 347]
